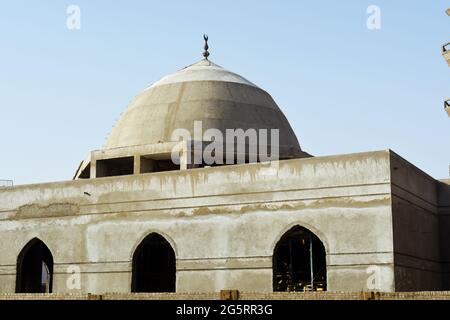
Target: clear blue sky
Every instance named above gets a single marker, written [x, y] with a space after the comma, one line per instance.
[344, 88]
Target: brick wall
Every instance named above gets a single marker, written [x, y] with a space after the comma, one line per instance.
[426, 295]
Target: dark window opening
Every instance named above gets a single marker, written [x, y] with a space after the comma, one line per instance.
[34, 268]
[152, 165]
[299, 262]
[233, 157]
[114, 167]
[153, 266]
[86, 173]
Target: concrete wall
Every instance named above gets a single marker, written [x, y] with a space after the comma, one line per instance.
[444, 229]
[222, 222]
[416, 228]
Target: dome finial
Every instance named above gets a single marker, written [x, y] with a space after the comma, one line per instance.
[206, 47]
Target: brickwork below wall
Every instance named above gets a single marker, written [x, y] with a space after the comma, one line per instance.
[234, 295]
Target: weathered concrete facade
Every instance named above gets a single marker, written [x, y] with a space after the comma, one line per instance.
[369, 209]
[383, 223]
[420, 208]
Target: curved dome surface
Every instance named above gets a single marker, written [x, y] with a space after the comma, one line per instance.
[203, 92]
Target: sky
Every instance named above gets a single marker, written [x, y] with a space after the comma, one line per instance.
[345, 88]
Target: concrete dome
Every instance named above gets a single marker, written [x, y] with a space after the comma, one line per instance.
[203, 92]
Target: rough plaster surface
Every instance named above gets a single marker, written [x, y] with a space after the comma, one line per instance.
[224, 222]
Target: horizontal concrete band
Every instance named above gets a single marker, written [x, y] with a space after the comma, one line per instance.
[415, 201]
[225, 263]
[420, 200]
[417, 263]
[186, 205]
[359, 258]
[211, 264]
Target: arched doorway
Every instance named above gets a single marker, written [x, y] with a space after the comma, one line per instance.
[34, 268]
[299, 262]
[153, 266]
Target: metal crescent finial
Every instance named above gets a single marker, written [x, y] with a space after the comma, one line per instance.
[206, 47]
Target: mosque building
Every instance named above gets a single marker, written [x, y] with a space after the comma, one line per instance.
[141, 216]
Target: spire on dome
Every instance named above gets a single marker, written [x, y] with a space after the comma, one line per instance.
[206, 47]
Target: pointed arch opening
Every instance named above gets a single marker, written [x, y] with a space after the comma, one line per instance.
[299, 262]
[34, 272]
[154, 266]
